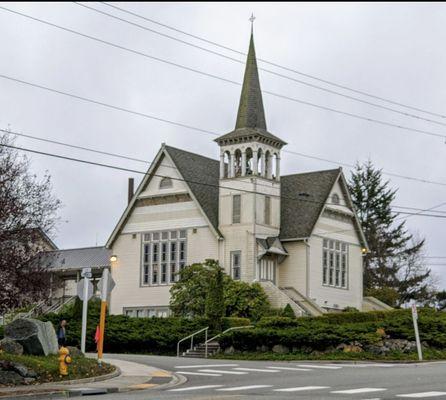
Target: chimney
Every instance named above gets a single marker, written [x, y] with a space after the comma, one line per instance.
[131, 189]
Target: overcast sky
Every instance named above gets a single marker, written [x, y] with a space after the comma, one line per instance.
[395, 51]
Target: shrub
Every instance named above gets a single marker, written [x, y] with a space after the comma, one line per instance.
[1, 332]
[232, 322]
[288, 312]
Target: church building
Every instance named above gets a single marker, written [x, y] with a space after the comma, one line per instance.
[297, 235]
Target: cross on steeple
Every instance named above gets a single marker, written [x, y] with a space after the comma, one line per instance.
[252, 19]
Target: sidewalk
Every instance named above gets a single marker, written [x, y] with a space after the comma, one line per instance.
[130, 376]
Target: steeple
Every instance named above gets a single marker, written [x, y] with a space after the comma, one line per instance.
[250, 111]
[250, 125]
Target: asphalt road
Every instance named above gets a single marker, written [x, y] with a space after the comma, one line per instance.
[221, 379]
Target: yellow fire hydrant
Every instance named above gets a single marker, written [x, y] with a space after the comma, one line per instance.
[64, 360]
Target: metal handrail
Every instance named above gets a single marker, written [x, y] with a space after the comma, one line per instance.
[227, 330]
[191, 337]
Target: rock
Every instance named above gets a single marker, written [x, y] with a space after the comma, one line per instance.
[351, 348]
[280, 349]
[74, 351]
[11, 346]
[36, 337]
[230, 350]
[18, 368]
[10, 378]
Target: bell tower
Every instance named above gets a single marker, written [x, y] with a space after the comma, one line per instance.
[249, 203]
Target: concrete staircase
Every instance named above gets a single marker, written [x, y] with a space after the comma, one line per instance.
[370, 303]
[309, 306]
[199, 351]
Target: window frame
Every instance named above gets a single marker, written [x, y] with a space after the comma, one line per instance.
[335, 264]
[267, 211]
[236, 218]
[238, 276]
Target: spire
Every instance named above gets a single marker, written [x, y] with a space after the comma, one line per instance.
[250, 111]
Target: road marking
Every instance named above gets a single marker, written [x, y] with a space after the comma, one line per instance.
[360, 390]
[290, 368]
[319, 366]
[195, 388]
[255, 369]
[422, 395]
[216, 371]
[207, 366]
[233, 389]
[197, 373]
[301, 388]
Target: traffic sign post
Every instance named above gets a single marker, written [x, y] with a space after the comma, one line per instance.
[415, 327]
[106, 285]
[84, 292]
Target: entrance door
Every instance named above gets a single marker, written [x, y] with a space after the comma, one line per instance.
[267, 269]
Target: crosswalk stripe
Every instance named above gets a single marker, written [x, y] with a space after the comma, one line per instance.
[195, 388]
[216, 371]
[359, 390]
[197, 373]
[301, 388]
[422, 395]
[233, 389]
[255, 369]
[319, 366]
[207, 366]
[290, 368]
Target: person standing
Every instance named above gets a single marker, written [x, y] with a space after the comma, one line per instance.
[61, 333]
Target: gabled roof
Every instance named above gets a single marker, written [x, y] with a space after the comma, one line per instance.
[303, 198]
[202, 175]
[251, 122]
[94, 257]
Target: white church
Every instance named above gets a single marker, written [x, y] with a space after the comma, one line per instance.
[297, 235]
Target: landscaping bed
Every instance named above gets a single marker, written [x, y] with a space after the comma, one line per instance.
[46, 368]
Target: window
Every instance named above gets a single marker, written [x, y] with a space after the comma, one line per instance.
[334, 263]
[335, 198]
[267, 210]
[163, 256]
[166, 183]
[236, 264]
[236, 208]
[267, 269]
[147, 311]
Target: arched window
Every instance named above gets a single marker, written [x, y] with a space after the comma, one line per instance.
[166, 183]
[335, 198]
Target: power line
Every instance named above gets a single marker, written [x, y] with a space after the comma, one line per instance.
[173, 178]
[126, 157]
[200, 130]
[276, 64]
[307, 103]
[406, 114]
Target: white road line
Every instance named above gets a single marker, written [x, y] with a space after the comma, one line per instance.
[301, 388]
[234, 389]
[255, 369]
[207, 366]
[291, 368]
[195, 388]
[422, 395]
[319, 366]
[360, 390]
[216, 371]
[197, 373]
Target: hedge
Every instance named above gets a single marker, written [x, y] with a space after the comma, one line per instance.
[320, 333]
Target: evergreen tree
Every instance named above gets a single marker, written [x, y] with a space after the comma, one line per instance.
[215, 305]
[288, 312]
[394, 262]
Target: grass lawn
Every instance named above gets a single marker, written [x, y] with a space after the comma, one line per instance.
[47, 367]
[428, 355]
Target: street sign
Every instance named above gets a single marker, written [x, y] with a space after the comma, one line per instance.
[414, 311]
[110, 285]
[86, 273]
[81, 289]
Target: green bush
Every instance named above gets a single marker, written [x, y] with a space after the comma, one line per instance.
[288, 312]
[320, 333]
[1, 332]
[231, 322]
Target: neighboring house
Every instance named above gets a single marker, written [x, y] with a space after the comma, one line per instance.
[68, 264]
[298, 235]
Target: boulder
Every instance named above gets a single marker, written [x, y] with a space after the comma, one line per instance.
[8, 378]
[230, 350]
[36, 337]
[280, 349]
[11, 346]
[74, 351]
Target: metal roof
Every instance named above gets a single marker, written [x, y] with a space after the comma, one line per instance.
[94, 257]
